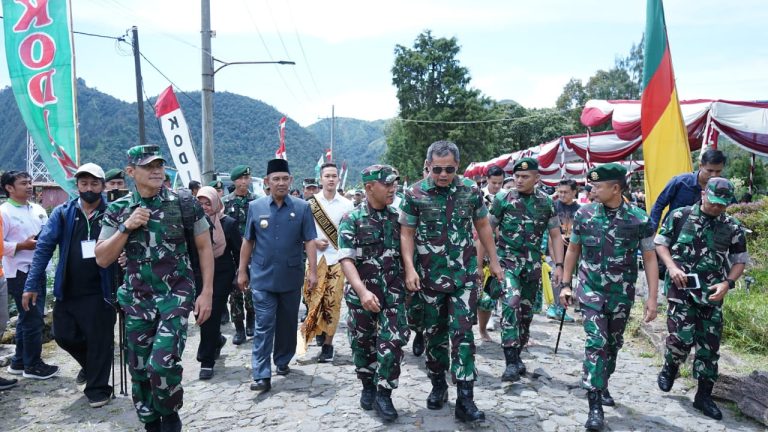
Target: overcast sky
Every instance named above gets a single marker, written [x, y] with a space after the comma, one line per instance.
[344, 49]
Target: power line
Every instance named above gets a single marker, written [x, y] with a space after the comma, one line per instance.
[120, 38]
[266, 48]
[285, 49]
[301, 47]
[511, 119]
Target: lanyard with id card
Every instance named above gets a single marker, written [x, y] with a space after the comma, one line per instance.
[88, 246]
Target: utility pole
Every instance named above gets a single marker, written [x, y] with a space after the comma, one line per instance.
[139, 97]
[333, 126]
[207, 93]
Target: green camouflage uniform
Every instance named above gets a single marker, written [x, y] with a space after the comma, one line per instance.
[485, 302]
[157, 296]
[236, 206]
[609, 242]
[371, 238]
[523, 220]
[447, 261]
[704, 246]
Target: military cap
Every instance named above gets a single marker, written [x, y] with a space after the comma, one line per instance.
[310, 182]
[216, 184]
[382, 173]
[720, 191]
[239, 171]
[113, 174]
[526, 164]
[605, 172]
[144, 154]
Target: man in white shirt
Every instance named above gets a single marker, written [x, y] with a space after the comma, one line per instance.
[324, 301]
[22, 223]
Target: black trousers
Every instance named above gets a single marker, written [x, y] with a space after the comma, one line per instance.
[85, 328]
[210, 330]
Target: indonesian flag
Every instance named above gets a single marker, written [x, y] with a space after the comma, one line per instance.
[665, 138]
[343, 174]
[328, 155]
[281, 153]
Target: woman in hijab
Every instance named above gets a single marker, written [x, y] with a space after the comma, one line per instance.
[226, 254]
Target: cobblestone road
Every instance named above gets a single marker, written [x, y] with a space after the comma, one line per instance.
[325, 396]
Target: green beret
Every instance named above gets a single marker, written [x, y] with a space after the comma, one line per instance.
[605, 172]
[114, 174]
[382, 173]
[216, 184]
[239, 171]
[526, 164]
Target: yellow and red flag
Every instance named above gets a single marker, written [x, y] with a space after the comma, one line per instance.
[665, 138]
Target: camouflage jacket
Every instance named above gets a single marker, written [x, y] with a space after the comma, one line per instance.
[443, 219]
[236, 206]
[371, 238]
[609, 244]
[705, 246]
[158, 260]
[523, 221]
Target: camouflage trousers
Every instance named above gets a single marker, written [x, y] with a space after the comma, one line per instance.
[241, 306]
[414, 305]
[517, 302]
[377, 339]
[485, 301]
[154, 345]
[450, 314]
[692, 324]
[604, 327]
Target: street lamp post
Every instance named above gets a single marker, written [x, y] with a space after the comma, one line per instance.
[207, 93]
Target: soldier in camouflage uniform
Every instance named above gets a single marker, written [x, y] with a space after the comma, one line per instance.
[522, 215]
[236, 206]
[607, 235]
[701, 239]
[440, 212]
[369, 252]
[159, 290]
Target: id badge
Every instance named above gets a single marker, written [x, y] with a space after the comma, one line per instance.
[89, 248]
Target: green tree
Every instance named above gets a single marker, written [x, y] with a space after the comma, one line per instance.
[435, 103]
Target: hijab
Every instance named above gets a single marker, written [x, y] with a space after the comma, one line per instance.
[219, 240]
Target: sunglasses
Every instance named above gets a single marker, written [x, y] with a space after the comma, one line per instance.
[439, 169]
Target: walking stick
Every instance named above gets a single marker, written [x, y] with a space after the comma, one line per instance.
[123, 372]
[562, 320]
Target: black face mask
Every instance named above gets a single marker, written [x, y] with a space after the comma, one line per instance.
[90, 197]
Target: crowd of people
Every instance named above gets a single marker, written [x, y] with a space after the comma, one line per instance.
[433, 260]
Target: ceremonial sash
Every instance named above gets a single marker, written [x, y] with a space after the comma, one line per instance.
[326, 224]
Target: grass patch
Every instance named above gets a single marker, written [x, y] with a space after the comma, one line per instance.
[745, 321]
[647, 354]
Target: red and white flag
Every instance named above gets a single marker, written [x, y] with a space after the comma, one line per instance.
[177, 136]
[281, 153]
[328, 155]
[343, 174]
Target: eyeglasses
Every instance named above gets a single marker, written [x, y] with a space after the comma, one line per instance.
[439, 169]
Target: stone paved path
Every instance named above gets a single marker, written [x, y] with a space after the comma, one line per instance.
[325, 396]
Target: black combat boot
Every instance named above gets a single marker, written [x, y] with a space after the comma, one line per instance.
[239, 337]
[418, 344]
[153, 426]
[667, 376]
[595, 419]
[383, 405]
[520, 365]
[466, 410]
[511, 374]
[439, 394]
[368, 394]
[171, 423]
[606, 399]
[703, 400]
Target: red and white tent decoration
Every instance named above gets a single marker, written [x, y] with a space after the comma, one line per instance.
[744, 123]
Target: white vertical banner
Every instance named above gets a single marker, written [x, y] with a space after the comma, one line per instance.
[177, 136]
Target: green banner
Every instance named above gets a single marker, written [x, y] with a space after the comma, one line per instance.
[39, 50]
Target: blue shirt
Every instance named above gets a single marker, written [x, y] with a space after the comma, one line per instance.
[683, 190]
[278, 233]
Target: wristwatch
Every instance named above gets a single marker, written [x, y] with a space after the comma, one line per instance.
[558, 264]
[123, 229]
[566, 284]
[731, 283]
